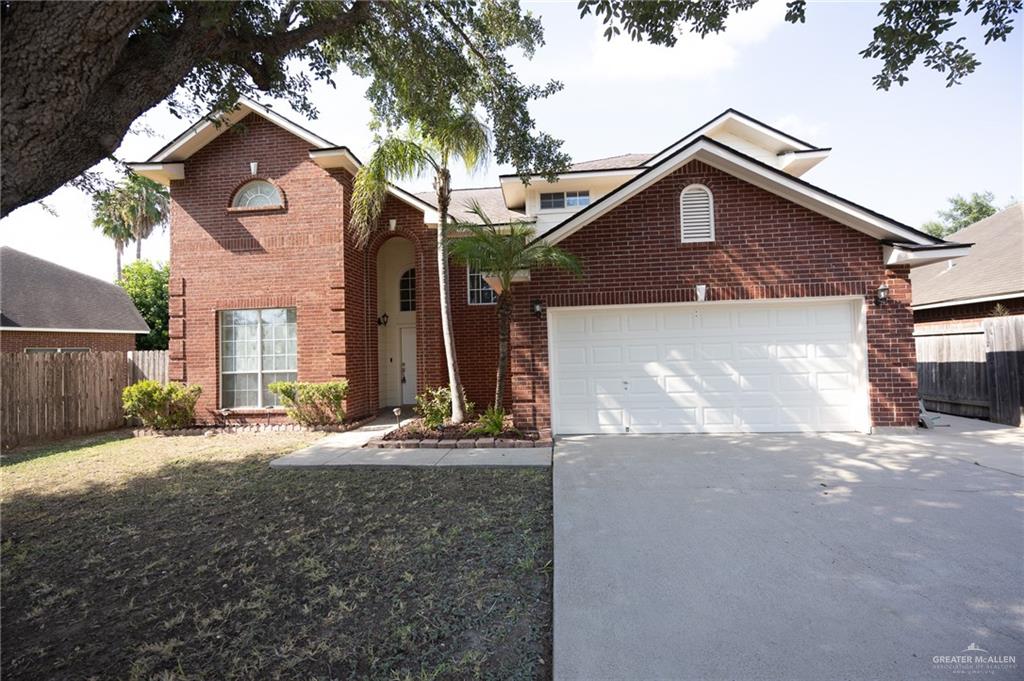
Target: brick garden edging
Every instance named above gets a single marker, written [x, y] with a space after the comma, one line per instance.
[461, 443]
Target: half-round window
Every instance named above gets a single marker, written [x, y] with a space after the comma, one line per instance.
[407, 291]
[257, 194]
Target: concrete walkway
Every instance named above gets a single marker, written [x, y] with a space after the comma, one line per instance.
[347, 449]
[830, 556]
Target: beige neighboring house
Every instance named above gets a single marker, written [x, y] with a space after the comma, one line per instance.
[969, 288]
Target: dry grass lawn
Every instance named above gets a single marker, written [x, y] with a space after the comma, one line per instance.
[189, 558]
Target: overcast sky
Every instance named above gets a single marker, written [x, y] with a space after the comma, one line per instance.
[901, 152]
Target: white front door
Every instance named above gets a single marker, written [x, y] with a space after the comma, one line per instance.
[408, 367]
[712, 367]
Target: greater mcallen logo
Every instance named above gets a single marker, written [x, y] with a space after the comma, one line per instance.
[975, 660]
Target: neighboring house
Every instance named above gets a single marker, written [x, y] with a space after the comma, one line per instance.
[721, 292]
[48, 308]
[969, 323]
[970, 288]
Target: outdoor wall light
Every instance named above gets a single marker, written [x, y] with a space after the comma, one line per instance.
[537, 307]
[702, 292]
[254, 168]
[392, 224]
[382, 320]
[881, 295]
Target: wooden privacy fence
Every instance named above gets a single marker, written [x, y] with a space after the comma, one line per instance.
[47, 396]
[974, 370]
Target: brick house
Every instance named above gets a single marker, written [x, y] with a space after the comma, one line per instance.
[721, 292]
[48, 308]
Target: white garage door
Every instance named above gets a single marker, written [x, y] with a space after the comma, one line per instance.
[712, 367]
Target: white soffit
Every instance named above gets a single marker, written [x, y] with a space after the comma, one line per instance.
[894, 255]
[159, 172]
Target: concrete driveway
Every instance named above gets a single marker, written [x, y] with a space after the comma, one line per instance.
[835, 556]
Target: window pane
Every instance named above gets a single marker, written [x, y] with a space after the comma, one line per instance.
[241, 390]
[250, 338]
[577, 199]
[407, 292]
[269, 398]
[480, 292]
[552, 200]
[257, 194]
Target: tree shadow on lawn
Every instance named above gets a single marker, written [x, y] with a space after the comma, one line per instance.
[213, 569]
[65, 446]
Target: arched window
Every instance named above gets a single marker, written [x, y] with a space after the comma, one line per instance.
[257, 194]
[697, 214]
[407, 291]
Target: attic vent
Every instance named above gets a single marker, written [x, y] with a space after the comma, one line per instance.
[697, 214]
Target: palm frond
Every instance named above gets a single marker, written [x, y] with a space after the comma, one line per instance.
[461, 135]
[395, 158]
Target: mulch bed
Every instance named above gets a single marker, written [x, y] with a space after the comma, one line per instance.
[415, 435]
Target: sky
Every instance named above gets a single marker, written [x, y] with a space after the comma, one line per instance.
[901, 152]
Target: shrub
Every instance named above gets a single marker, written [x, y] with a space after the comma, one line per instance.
[161, 406]
[434, 405]
[312, 404]
[491, 423]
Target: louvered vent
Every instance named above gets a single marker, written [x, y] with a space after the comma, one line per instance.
[698, 213]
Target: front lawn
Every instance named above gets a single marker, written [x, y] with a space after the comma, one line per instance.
[189, 558]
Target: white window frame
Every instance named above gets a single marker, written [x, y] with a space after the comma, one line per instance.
[401, 277]
[270, 206]
[259, 356]
[711, 209]
[577, 194]
[470, 271]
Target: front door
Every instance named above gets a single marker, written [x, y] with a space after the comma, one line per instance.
[408, 366]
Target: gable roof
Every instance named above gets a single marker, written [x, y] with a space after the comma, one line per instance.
[36, 294]
[622, 161]
[490, 199]
[760, 174]
[994, 267]
[168, 162]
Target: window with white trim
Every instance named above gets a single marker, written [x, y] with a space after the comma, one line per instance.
[54, 350]
[554, 200]
[257, 194]
[257, 347]
[696, 214]
[407, 291]
[480, 292]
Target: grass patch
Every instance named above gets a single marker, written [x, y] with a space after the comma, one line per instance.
[188, 558]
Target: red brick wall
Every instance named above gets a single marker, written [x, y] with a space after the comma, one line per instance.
[972, 312]
[765, 247]
[301, 257]
[223, 259]
[17, 341]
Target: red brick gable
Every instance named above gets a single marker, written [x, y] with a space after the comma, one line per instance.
[765, 247]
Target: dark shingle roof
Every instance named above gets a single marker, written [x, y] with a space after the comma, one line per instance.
[489, 198]
[994, 266]
[613, 162]
[38, 294]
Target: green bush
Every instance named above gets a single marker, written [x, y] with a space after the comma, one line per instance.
[312, 404]
[491, 423]
[434, 405]
[161, 406]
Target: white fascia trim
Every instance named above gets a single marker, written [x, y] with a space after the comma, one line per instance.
[894, 255]
[726, 116]
[160, 172]
[734, 164]
[47, 330]
[969, 301]
[335, 158]
[229, 118]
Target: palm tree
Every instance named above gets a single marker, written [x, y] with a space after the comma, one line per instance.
[109, 217]
[403, 157]
[147, 206]
[502, 252]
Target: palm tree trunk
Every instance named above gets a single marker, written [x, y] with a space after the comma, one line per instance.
[443, 186]
[138, 247]
[118, 248]
[504, 324]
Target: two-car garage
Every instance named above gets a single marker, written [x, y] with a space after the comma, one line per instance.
[709, 367]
